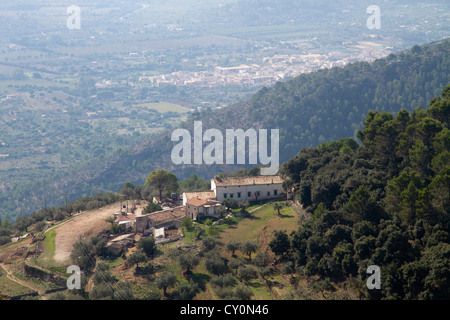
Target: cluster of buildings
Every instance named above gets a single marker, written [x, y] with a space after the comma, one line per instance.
[243, 75]
[164, 224]
[272, 69]
[206, 203]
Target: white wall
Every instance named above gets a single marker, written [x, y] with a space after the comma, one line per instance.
[244, 190]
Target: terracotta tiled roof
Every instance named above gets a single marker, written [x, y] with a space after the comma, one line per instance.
[200, 194]
[243, 181]
[197, 202]
[167, 215]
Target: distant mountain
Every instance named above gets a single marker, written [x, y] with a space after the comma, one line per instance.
[313, 108]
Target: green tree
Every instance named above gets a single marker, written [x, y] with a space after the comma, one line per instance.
[209, 243]
[230, 203]
[440, 191]
[162, 180]
[215, 264]
[409, 197]
[187, 262]
[358, 203]
[187, 223]
[221, 211]
[249, 247]
[84, 253]
[194, 183]
[135, 258]
[232, 246]
[278, 206]
[129, 191]
[166, 280]
[264, 273]
[234, 264]
[246, 272]
[152, 207]
[280, 243]
[22, 223]
[102, 291]
[261, 259]
[123, 291]
[288, 268]
[242, 292]
[244, 205]
[110, 220]
[225, 280]
[188, 290]
[147, 245]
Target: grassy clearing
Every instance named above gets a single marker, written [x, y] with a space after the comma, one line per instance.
[261, 221]
[46, 260]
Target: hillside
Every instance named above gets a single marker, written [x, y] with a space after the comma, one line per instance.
[332, 104]
[385, 202]
[311, 109]
[253, 274]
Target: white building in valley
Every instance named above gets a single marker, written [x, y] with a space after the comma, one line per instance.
[248, 188]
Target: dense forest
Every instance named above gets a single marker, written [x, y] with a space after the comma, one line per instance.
[309, 110]
[385, 202]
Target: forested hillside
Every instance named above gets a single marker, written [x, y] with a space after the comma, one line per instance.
[385, 202]
[308, 110]
[332, 104]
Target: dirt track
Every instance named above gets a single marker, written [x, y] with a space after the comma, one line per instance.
[85, 225]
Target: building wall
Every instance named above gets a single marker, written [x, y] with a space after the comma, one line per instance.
[250, 192]
[142, 223]
[193, 211]
[213, 187]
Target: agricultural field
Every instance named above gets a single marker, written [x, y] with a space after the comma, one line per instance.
[11, 288]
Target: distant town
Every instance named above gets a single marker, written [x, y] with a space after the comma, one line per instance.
[266, 72]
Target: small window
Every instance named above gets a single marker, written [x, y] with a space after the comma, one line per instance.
[275, 192]
[249, 194]
[258, 193]
[268, 193]
[238, 194]
[225, 195]
[231, 195]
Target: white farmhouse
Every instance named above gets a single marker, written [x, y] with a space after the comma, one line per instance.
[206, 203]
[247, 188]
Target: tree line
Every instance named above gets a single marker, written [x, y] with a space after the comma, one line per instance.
[384, 202]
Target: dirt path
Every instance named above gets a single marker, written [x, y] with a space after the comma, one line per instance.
[82, 226]
[11, 277]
